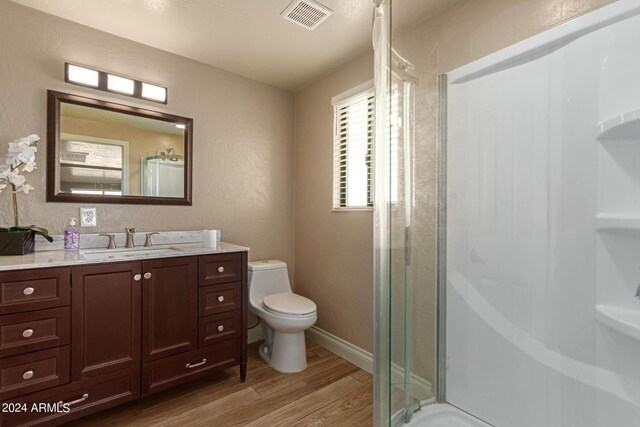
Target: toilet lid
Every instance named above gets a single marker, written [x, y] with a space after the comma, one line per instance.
[289, 303]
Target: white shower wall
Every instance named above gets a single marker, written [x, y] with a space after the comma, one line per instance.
[543, 227]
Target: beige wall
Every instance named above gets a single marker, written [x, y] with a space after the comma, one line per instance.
[243, 132]
[334, 250]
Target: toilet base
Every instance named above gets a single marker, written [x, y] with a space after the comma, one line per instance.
[284, 352]
[289, 353]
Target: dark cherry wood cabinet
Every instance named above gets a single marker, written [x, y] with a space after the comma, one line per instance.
[27, 290]
[106, 319]
[90, 337]
[34, 330]
[170, 307]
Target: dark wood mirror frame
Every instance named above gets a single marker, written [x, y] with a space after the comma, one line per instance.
[54, 99]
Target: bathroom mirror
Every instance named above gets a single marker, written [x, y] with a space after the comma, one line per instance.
[102, 152]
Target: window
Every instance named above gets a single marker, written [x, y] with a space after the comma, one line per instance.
[353, 149]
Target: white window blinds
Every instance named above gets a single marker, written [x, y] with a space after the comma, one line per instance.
[353, 152]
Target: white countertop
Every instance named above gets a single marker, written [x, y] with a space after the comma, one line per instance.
[60, 258]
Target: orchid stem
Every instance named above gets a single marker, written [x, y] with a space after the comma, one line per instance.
[15, 205]
[14, 200]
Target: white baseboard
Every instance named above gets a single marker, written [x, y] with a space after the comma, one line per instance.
[359, 357]
[364, 360]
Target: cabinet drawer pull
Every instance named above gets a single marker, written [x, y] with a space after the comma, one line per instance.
[195, 365]
[73, 402]
[220, 328]
[28, 290]
[27, 375]
[27, 333]
[137, 277]
[147, 275]
[220, 298]
[221, 269]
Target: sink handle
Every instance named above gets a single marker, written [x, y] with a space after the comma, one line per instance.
[147, 241]
[638, 291]
[112, 240]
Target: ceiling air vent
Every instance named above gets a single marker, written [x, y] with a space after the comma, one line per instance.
[306, 13]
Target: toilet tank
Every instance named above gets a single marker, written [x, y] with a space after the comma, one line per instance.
[267, 277]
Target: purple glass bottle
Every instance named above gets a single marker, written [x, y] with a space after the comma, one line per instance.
[72, 236]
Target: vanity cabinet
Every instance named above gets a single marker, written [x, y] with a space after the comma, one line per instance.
[106, 319]
[170, 307]
[201, 343]
[34, 330]
[91, 337]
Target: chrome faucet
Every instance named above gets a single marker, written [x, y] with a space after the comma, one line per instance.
[638, 292]
[130, 233]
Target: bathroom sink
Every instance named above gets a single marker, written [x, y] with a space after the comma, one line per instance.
[99, 254]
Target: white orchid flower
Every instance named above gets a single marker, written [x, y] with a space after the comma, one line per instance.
[21, 158]
[25, 189]
[22, 151]
[15, 178]
[30, 166]
[27, 154]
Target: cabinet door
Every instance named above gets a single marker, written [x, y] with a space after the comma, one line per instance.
[106, 317]
[170, 307]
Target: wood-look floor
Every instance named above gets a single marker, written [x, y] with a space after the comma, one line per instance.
[330, 392]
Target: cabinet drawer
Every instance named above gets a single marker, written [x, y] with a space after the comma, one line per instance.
[170, 371]
[219, 298]
[219, 268]
[34, 330]
[33, 371]
[219, 327]
[27, 290]
[81, 398]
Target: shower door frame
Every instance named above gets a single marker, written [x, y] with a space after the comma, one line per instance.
[441, 238]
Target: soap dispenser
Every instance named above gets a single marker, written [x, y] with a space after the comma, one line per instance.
[72, 236]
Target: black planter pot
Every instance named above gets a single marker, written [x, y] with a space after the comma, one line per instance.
[17, 243]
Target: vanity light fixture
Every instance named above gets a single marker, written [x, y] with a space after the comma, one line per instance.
[81, 76]
[102, 80]
[154, 93]
[120, 84]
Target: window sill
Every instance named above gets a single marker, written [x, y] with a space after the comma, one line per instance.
[352, 210]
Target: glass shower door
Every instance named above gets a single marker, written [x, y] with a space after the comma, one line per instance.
[405, 229]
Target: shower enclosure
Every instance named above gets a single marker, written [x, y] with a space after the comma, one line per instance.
[162, 174]
[507, 228]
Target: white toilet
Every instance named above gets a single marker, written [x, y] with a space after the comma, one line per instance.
[284, 315]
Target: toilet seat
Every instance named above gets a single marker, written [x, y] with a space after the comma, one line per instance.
[288, 303]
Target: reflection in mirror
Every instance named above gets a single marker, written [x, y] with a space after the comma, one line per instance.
[162, 174]
[108, 153]
[114, 153]
[90, 165]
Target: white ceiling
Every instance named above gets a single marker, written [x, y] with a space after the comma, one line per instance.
[247, 37]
